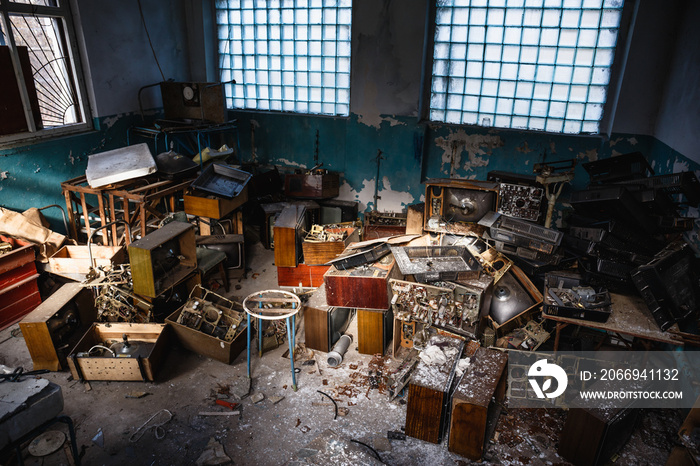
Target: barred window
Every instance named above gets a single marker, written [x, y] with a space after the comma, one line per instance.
[38, 51]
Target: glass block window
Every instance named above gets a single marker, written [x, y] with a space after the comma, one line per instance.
[287, 55]
[526, 64]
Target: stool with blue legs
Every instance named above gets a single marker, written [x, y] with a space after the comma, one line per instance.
[273, 305]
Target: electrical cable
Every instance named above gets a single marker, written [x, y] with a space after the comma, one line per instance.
[143, 20]
[102, 347]
[373, 450]
[158, 430]
[334, 403]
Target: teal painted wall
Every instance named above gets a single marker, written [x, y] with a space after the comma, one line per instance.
[32, 174]
[411, 153]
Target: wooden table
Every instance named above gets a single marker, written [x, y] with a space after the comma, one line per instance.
[139, 199]
[630, 316]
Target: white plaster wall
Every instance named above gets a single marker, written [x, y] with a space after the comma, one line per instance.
[679, 116]
[120, 60]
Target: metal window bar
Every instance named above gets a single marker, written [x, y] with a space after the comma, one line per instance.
[310, 71]
[563, 111]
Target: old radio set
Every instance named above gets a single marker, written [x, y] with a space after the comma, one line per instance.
[163, 258]
[453, 306]
[449, 201]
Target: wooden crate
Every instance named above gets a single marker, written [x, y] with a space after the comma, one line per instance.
[151, 278]
[312, 185]
[428, 394]
[156, 341]
[362, 288]
[210, 206]
[322, 252]
[49, 328]
[323, 324]
[374, 330]
[75, 260]
[305, 276]
[472, 406]
[288, 234]
[19, 293]
[207, 345]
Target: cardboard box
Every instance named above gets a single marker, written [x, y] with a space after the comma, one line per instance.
[154, 342]
[207, 345]
[322, 252]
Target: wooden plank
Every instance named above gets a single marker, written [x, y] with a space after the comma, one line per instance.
[423, 413]
[18, 257]
[370, 332]
[86, 216]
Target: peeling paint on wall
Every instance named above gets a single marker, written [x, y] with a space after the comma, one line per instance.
[590, 154]
[680, 166]
[389, 200]
[615, 141]
[553, 147]
[633, 141]
[524, 148]
[375, 121]
[3, 175]
[110, 121]
[291, 163]
[364, 196]
[474, 145]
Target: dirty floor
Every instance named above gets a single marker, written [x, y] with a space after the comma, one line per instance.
[271, 431]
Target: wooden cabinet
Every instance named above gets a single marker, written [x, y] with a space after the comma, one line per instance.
[374, 330]
[288, 235]
[57, 324]
[428, 393]
[324, 324]
[472, 406]
[362, 287]
[19, 292]
[206, 205]
[152, 344]
[162, 259]
[592, 436]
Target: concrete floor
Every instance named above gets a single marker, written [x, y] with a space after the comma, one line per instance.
[269, 434]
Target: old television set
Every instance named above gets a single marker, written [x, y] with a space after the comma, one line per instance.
[450, 201]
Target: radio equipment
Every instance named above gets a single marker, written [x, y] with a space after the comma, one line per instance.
[522, 233]
[457, 201]
[669, 284]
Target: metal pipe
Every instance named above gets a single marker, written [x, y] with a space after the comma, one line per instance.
[335, 357]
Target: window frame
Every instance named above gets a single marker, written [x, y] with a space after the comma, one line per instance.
[61, 12]
[627, 20]
[219, 69]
